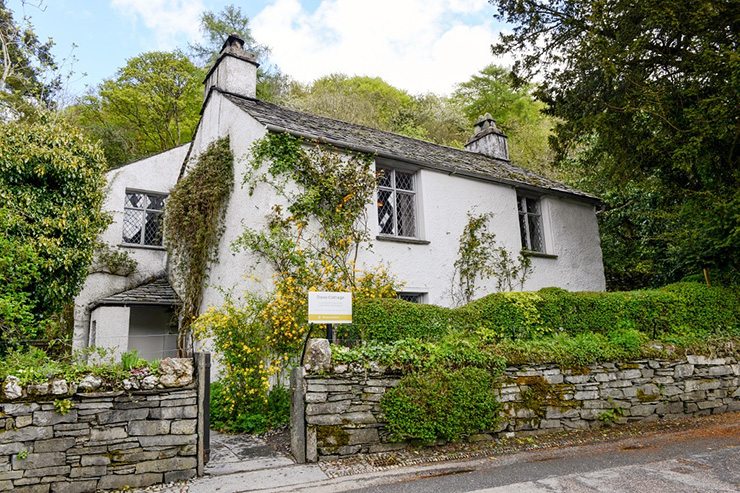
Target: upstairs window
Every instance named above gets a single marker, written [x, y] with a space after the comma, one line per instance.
[396, 202]
[142, 218]
[530, 223]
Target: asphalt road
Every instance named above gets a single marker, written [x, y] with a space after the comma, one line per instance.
[705, 460]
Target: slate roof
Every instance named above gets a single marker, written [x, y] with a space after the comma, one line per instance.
[156, 292]
[398, 147]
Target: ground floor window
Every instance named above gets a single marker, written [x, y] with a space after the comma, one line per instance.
[412, 297]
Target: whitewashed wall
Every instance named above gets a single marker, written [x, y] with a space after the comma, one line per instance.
[155, 174]
[570, 226]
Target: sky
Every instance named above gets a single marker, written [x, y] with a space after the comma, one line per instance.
[418, 45]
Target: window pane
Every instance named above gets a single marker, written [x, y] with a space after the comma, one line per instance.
[385, 212]
[135, 200]
[404, 181]
[412, 297]
[535, 233]
[156, 201]
[385, 178]
[132, 221]
[406, 214]
[153, 229]
[520, 204]
[533, 206]
[523, 231]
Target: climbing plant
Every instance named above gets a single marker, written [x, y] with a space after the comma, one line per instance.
[312, 242]
[480, 257]
[194, 224]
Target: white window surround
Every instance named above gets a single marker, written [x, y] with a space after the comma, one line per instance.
[397, 203]
[143, 213]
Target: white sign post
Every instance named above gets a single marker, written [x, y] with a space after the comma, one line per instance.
[328, 307]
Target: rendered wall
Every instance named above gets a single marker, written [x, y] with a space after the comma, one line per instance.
[343, 415]
[155, 174]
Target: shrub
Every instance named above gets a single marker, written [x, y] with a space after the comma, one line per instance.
[443, 404]
[674, 309]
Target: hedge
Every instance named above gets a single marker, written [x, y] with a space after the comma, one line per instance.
[675, 308]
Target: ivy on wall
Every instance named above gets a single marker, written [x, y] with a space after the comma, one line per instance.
[194, 224]
[312, 242]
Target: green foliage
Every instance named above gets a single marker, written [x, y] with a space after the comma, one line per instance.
[447, 405]
[453, 351]
[34, 365]
[194, 224]
[63, 406]
[479, 257]
[51, 191]
[152, 105]
[673, 309]
[610, 416]
[258, 417]
[130, 360]
[516, 111]
[22, 455]
[646, 96]
[113, 260]
[372, 102]
[28, 78]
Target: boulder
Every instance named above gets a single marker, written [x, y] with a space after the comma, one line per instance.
[90, 383]
[175, 372]
[59, 387]
[12, 388]
[150, 382]
[318, 355]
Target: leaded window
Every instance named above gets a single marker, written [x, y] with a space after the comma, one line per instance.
[142, 218]
[396, 202]
[530, 223]
[411, 297]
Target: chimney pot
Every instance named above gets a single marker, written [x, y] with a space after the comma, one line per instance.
[235, 69]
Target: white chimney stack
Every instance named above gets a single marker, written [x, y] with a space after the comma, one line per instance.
[488, 139]
[235, 70]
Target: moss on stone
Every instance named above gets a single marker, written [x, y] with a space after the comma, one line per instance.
[539, 395]
[643, 397]
[331, 436]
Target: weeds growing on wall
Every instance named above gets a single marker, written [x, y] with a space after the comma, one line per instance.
[480, 257]
[194, 224]
[311, 243]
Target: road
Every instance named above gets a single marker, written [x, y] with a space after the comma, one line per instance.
[705, 459]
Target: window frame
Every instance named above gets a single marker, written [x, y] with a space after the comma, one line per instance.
[523, 210]
[419, 296]
[142, 243]
[394, 191]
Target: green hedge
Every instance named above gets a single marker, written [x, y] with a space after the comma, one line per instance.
[675, 308]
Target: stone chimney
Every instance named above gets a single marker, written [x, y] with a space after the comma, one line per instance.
[235, 70]
[488, 139]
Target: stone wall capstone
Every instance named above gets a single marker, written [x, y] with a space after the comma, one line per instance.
[343, 415]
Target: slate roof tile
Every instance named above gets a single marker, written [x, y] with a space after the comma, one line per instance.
[156, 292]
[394, 146]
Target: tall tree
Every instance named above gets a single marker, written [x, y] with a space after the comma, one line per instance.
[216, 27]
[28, 81]
[151, 105]
[372, 102]
[647, 95]
[516, 111]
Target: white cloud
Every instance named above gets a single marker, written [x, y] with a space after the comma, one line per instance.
[419, 45]
[169, 20]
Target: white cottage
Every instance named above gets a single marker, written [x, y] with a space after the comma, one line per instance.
[421, 211]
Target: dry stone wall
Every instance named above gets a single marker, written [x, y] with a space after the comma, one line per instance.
[106, 440]
[343, 415]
